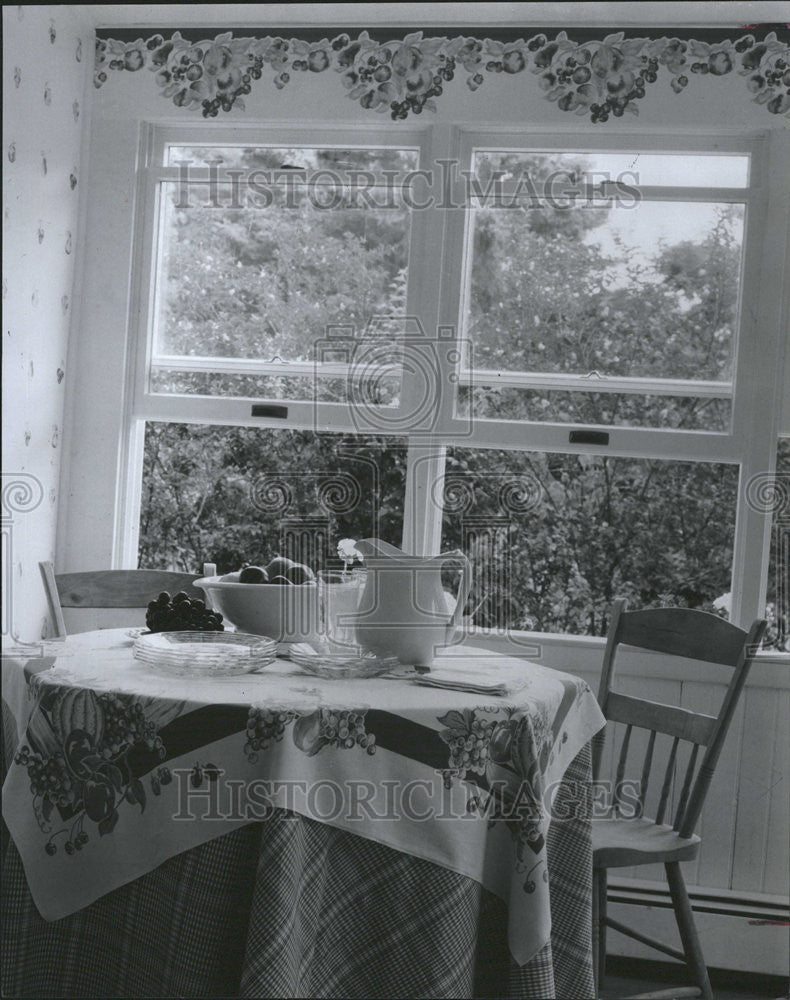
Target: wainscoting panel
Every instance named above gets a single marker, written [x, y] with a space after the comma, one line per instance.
[757, 759]
[776, 871]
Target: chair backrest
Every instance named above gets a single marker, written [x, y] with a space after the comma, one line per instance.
[79, 602]
[694, 635]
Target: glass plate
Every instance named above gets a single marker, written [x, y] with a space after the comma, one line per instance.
[333, 665]
[205, 654]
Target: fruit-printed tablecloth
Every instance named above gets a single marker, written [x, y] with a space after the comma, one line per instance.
[118, 768]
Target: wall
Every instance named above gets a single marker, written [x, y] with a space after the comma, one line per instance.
[46, 73]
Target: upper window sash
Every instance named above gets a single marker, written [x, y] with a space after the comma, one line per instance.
[308, 410]
[749, 193]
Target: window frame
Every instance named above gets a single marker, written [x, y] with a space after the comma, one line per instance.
[442, 234]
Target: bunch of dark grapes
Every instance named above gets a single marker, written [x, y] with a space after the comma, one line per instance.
[182, 614]
[49, 777]
[265, 727]
[125, 725]
[346, 729]
[470, 751]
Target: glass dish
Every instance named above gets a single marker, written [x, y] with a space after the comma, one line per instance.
[205, 654]
[331, 664]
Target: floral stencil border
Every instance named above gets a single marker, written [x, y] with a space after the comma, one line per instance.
[599, 79]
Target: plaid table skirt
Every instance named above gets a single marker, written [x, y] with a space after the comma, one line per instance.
[290, 907]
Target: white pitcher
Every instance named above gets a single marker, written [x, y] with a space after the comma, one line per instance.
[403, 611]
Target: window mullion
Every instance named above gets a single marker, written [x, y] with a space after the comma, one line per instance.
[422, 516]
[758, 379]
[126, 533]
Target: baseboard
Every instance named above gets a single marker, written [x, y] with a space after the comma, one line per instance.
[660, 973]
[743, 932]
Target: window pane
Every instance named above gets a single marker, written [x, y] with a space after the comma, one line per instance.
[274, 283]
[300, 157]
[231, 495]
[613, 409]
[648, 169]
[777, 610]
[554, 539]
[646, 291]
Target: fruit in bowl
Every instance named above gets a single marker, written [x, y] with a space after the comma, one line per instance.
[294, 572]
[280, 571]
[283, 606]
[253, 574]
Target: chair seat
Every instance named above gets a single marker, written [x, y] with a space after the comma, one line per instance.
[620, 843]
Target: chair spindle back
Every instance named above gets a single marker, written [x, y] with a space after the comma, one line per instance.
[694, 635]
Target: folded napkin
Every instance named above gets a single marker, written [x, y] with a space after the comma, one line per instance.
[473, 682]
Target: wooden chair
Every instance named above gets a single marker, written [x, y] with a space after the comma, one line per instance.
[623, 841]
[109, 598]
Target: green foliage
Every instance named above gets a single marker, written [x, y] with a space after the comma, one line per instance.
[233, 495]
[777, 611]
[656, 533]
[266, 284]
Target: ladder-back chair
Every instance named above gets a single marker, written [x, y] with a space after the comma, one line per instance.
[626, 837]
[80, 602]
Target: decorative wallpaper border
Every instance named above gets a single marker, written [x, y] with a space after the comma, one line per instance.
[599, 79]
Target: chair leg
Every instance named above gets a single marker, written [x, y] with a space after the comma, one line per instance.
[688, 931]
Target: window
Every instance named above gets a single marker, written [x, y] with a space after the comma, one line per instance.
[617, 309]
[266, 269]
[533, 351]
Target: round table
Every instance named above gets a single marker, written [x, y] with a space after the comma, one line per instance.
[384, 856]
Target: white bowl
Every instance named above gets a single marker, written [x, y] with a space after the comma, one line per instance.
[286, 613]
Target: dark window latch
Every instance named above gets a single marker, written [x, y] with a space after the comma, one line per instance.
[588, 437]
[269, 410]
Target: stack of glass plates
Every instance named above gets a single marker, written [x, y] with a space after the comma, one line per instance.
[332, 663]
[205, 654]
